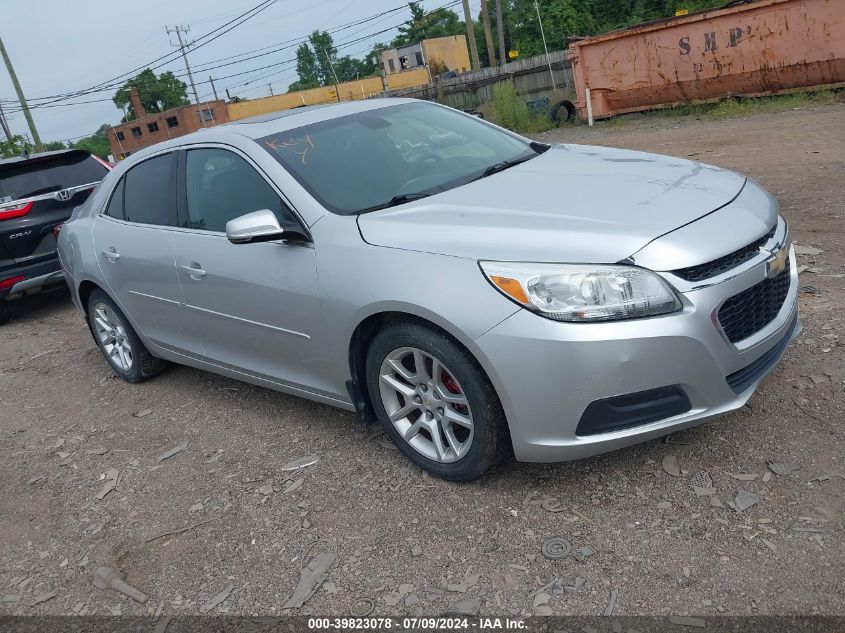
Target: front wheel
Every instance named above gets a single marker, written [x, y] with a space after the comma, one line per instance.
[435, 402]
[118, 341]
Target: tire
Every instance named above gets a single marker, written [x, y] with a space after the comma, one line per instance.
[4, 311]
[564, 111]
[141, 365]
[432, 403]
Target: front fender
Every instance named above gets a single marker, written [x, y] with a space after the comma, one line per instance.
[358, 280]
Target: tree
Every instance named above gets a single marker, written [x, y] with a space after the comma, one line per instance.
[350, 69]
[561, 19]
[157, 93]
[422, 26]
[565, 18]
[437, 66]
[317, 64]
[314, 60]
[306, 68]
[97, 143]
[15, 146]
[325, 54]
[53, 146]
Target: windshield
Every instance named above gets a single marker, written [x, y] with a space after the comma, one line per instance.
[392, 155]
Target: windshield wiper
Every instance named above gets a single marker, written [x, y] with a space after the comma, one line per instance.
[395, 201]
[495, 168]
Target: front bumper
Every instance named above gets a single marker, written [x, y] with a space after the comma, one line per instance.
[547, 373]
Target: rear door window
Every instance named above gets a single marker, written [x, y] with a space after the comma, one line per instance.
[149, 192]
[45, 174]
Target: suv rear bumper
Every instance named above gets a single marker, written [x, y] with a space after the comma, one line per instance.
[35, 276]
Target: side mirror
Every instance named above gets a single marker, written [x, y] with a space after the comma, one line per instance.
[258, 226]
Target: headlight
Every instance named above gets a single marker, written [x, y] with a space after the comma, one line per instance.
[583, 292]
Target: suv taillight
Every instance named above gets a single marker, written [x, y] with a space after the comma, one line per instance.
[7, 213]
[57, 229]
[5, 284]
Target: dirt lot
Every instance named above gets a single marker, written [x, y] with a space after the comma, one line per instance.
[410, 543]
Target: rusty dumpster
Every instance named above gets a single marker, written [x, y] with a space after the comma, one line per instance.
[743, 49]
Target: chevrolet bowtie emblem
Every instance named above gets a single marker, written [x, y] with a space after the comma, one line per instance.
[777, 262]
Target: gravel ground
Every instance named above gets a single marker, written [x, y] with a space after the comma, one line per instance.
[224, 514]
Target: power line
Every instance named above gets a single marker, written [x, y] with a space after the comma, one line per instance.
[198, 43]
[284, 44]
[105, 86]
[275, 66]
[179, 30]
[339, 46]
[114, 61]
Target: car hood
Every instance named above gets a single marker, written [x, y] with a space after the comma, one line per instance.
[573, 203]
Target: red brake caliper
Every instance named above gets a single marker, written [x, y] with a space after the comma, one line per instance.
[452, 385]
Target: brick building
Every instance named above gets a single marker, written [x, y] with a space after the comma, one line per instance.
[149, 129]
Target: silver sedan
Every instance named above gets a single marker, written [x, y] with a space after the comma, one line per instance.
[477, 293]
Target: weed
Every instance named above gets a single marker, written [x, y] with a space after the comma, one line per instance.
[510, 111]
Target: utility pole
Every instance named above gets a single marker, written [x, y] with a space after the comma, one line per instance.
[331, 65]
[473, 47]
[500, 27]
[5, 125]
[488, 34]
[27, 115]
[270, 86]
[336, 82]
[548, 59]
[179, 30]
[213, 89]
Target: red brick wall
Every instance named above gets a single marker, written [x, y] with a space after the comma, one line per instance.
[187, 116]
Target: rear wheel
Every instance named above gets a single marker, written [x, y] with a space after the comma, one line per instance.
[435, 402]
[118, 341]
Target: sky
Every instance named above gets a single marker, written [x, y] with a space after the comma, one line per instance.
[62, 46]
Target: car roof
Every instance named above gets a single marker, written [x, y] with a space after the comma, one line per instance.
[274, 122]
[265, 124]
[38, 155]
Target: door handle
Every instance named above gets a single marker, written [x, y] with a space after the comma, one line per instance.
[194, 271]
[111, 254]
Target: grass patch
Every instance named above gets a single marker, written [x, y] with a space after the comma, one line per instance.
[509, 110]
[742, 106]
[737, 106]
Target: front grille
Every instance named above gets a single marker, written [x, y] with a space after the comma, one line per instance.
[751, 310]
[741, 380]
[726, 263]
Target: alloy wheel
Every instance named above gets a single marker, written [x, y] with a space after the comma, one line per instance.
[426, 404]
[112, 335]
